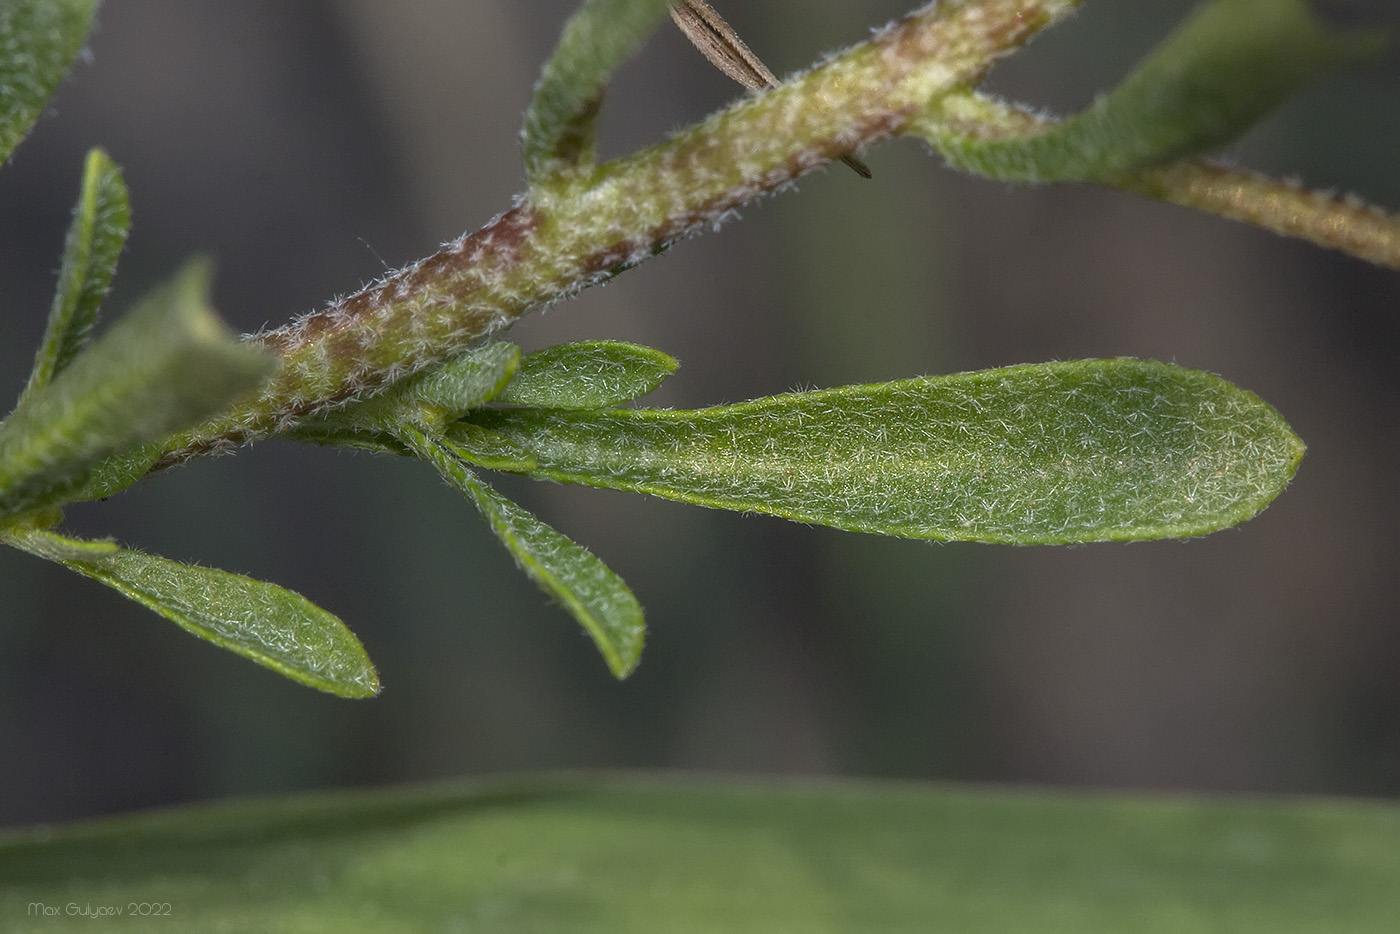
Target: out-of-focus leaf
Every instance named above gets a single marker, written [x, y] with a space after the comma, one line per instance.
[1227, 66]
[1040, 454]
[587, 375]
[561, 122]
[637, 855]
[95, 239]
[272, 626]
[38, 41]
[167, 365]
[564, 569]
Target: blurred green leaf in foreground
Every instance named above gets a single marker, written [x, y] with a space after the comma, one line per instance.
[634, 856]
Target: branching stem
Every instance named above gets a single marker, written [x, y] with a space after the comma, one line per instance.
[1338, 222]
[566, 235]
[579, 223]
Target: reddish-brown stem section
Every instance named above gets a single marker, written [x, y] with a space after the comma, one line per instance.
[498, 246]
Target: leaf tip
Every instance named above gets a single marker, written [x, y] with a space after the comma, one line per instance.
[623, 652]
[363, 686]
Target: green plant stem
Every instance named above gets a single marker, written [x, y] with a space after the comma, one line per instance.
[579, 224]
[577, 231]
[1337, 222]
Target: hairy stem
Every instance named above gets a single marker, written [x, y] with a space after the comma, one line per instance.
[1337, 222]
[564, 236]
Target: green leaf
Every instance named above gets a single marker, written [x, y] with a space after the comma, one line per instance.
[95, 239]
[465, 382]
[115, 473]
[561, 122]
[38, 41]
[426, 400]
[274, 627]
[1226, 67]
[637, 855]
[482, 448]
[167, 365]
[1041, 454]
[588, 375]
[565, 570]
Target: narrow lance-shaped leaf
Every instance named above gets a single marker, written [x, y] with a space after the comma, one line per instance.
[38, 41]
[1227, 66]
[272, 626]
[587, 375]
[561, 123]
[95, 239]
[588, 589]
[1040, 454]
[167, 365]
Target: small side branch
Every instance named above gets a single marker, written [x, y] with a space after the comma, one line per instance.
[1338, 222]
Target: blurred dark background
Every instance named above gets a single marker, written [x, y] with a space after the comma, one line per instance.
[305, 145]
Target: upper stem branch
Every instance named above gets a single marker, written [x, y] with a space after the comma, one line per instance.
[1338, 222]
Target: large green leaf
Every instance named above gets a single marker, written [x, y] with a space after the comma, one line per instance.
[95, 239]
[170, 363]
[38, 41]
[592, 593]
[1054, 453]
[272, 626]
[624, 855]
[1228, 65]
[560, 124]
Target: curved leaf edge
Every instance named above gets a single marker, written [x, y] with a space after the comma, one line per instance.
[88, 558]
[562, 568]
[494, 422]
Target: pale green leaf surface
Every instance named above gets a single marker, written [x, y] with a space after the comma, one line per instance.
[427, 399]
[268, 624]
[95, 239]
[1227, 66]
[587, 375]
[630, 855]
[115, 473]
[603, 605]
[1039, 454]
[39, 39]
[467, 381]
[560, 124]
[482, 448]
[170, 363]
